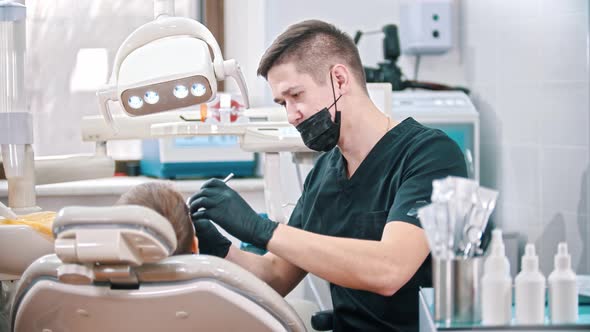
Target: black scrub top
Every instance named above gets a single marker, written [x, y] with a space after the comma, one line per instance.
[392, 181]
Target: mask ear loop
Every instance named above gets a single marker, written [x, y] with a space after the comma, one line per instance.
[336, 114]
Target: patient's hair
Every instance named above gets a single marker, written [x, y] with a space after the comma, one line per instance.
[168, 202]
[314, 47]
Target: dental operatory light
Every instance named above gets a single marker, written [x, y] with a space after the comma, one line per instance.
[151, 97]
[167, 64]
[180, 91]
[198, 90]
[135, 102]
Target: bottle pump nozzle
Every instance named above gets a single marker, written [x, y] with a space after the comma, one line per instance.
[530, 261]
[562, 258]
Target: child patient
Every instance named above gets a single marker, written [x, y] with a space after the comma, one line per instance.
[168, 202]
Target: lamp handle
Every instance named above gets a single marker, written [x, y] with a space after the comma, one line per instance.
[104, 95]
[232, 68]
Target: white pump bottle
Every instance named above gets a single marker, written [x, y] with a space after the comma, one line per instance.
[563, 292]
[496, 284]
[530, 290]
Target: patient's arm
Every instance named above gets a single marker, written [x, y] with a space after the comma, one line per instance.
[281, 275]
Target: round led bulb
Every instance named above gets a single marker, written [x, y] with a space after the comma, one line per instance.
[198, 89]
[180, 91]
[135, 102]
[151, 97]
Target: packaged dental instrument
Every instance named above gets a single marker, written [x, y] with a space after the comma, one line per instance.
[530, 290]
[484, 202]
[563, 292]
[456, 219]
[436, 224]
[496, 284]
[454, 223]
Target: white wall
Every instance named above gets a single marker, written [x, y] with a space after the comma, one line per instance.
[266, 19]
[527, 64]
[244, 27]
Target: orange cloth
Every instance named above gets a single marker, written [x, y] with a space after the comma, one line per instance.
[39, 221]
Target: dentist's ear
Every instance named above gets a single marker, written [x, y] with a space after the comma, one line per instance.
[341, 76]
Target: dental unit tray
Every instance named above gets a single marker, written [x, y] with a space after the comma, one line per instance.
[111, 273]
[254, 137]
[266, 131]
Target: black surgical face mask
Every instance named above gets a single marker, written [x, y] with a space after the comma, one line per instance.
[318, 132]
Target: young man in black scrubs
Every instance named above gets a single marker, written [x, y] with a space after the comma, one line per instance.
[353, 225]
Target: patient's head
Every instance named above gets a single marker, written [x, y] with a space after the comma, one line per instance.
[168, 202]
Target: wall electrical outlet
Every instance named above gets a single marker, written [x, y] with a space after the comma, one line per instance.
[425, 26]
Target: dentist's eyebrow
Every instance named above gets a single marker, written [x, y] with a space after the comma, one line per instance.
[288, 92]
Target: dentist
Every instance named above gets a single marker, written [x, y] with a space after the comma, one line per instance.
[354, 224]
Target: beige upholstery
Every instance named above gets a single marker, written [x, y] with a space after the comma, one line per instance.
[177, 293]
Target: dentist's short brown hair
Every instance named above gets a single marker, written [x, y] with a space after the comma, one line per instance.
[314, 47]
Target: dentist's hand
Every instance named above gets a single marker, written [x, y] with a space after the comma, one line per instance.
[211, 242]
[228, 209]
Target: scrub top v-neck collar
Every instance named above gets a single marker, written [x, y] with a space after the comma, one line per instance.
[368, 163]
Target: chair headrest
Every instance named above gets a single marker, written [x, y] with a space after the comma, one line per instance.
[117, 235]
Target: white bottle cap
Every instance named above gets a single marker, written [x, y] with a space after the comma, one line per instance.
[497, 243]
[562, 258]
[530, 261]
[496, 263]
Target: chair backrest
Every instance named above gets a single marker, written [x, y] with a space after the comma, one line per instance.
[130, 287]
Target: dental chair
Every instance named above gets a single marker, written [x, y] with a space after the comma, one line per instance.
[111, 271]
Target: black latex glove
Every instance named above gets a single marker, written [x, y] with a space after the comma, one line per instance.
[227, 208]
[211, 242]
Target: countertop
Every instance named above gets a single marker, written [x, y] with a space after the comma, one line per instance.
[120, 184]
[427, 323]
